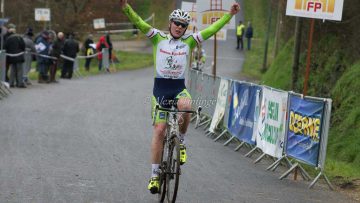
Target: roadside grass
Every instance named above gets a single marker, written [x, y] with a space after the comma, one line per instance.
[127, 61]
[279, 73]
[254, 58]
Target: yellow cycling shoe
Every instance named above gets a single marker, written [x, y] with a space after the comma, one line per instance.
[154, 185]
[182, 154]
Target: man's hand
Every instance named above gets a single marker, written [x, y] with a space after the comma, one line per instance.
[123, 3]
[235, 8]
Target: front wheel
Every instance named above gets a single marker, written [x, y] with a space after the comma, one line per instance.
[162, 175]
[173, 170]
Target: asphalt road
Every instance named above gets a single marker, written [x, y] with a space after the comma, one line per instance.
[87, 140]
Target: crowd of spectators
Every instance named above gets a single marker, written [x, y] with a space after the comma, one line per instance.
[52, 51]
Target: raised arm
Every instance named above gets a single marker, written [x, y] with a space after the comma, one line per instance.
[214, 28]
[134, 18]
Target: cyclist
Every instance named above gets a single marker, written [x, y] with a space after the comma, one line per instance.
[171, 59]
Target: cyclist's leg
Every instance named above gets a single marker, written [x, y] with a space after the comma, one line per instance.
[156, 147]
[184, 103]
[157, 142]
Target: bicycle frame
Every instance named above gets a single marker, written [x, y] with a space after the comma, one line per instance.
[169, 167]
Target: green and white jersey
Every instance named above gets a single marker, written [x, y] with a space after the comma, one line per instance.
[172, 56]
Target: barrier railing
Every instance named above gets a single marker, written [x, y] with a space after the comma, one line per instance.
[281, 125]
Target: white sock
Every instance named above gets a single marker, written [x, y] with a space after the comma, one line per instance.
[182, 138]
[155, 170]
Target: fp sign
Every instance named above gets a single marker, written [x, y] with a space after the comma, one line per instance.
[321, 9]
[315, 6]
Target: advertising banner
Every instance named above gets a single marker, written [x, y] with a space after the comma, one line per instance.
[304, 129]
[209, 12]
[271, 122]
[242, 111]
[220, 105]
[321, 9]
[227, 106]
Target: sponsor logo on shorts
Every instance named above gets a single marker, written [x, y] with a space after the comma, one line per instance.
[162, 115]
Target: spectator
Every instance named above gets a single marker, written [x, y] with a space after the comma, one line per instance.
[42, 46]
[29, 47]
[108, 41]
[240, 34]
[249, 35]
[89, 50]
[71, 48]
[15, 44]
[6, 35]
[56, 51]
[102, 44]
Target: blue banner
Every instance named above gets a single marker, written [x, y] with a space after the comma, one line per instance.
[241, 114]
[304, 129]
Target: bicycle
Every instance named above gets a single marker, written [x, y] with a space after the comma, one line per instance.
[170, 159]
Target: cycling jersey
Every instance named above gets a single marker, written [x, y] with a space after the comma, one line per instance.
[171, 56]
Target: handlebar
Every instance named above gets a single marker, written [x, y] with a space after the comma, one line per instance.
[197, 112]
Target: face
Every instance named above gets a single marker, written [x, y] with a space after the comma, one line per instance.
[178, 28]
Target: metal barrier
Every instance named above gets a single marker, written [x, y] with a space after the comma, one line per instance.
[272, 139]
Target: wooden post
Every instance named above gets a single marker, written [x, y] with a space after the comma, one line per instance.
[215, 48]
[295, 67]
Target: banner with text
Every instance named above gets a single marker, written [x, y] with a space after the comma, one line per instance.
[209, 12]
[242, 111]
[220, 105]
[304, 129]
[271, 123]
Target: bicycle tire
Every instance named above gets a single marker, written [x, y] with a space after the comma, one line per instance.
[162, 175]
[173, 172]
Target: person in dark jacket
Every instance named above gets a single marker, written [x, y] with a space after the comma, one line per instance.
[56, 51]
[15, 44]
[71, 48]
[42, 46]
[6, 34]
[249, 35]
[29, 47]
[108, 41]
[89, 50]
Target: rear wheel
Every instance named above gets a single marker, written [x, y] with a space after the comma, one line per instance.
[173, 170]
